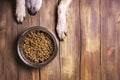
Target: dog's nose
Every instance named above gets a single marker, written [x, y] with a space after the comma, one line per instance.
[32, 11]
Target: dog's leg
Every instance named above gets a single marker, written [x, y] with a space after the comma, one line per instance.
[20, 10]
[62, 24]
[33, 6]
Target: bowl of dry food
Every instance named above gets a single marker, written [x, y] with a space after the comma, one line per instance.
[37, 46]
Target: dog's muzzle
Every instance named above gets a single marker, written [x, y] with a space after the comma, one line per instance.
[32, 11]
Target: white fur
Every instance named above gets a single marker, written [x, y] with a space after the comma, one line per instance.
[38, 4]
[20, 10]
[62, 24]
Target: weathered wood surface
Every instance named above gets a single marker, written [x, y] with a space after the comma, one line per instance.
[90, 28]
[110, 29]
[89, 52]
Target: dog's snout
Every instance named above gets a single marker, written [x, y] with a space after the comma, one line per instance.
[32, 11]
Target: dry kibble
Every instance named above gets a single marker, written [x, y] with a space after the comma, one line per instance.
[37, 46]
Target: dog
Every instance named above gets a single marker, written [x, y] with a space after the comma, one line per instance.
[34, 6]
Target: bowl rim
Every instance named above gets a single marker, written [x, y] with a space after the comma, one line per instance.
[27, 61]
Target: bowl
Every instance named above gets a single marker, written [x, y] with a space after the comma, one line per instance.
[21, 52]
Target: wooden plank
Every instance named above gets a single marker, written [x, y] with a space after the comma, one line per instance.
[110, 11]
[118, 40]
[26, 72]
[90, 28]
[8, 35]
[48, 19]
[70, 47]
[35, 21]
[2, 39]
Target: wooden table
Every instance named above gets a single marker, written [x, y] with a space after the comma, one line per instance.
[91, 50]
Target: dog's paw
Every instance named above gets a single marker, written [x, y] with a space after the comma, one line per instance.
[20, 14]
[62, 31]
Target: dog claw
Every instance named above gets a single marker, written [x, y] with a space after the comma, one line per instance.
[62, 32]
[20, 18]
[65, 33]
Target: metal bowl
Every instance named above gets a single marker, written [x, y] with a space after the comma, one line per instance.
[21, 53]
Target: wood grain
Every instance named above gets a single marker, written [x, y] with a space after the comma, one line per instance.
[110, 11]
[2, 40]
[8, 47]
[70, 47]
[90, 28]
[48, 19]
[118, 42]
[24, 72]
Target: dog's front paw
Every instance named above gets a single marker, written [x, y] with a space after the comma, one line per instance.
[20, 13]
[62, 31]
